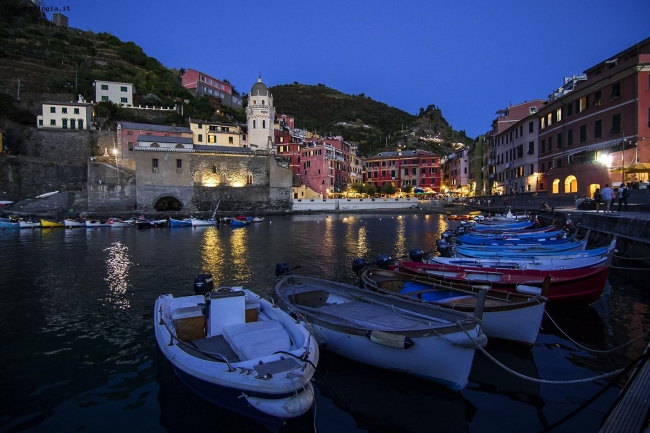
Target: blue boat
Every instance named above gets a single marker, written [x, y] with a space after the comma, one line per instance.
[6, 223]
[239, 223]
[469, 239]
[522, 234]
[494, 251]
[501, 225]
[186, 222]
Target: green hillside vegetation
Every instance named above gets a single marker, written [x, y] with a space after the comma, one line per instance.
[37, 57]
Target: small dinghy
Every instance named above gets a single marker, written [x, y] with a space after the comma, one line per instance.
[237, 350]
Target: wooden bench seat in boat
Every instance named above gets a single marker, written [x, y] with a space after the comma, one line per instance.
[255, 339]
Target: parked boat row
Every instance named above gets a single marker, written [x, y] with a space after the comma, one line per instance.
[140, 222]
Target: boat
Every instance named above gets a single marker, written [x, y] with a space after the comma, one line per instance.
[143, 223]
[237, 350]
[395, 334]
[571, 246]
[504, 225]
[70, 223]
[507, 316]
[537, 239]
[7, 223]
[257, 219]
[197, 222]
[47, 194]
[523, 234]
[96, 224]
[239, 223]
[28, 224]
[185, 222]
[118, 222]
[582, 284]
[51, 224]
[519, 255]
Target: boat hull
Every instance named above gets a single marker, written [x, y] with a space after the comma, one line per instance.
[397, 334]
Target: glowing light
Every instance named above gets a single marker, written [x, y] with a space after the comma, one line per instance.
[210, 184]
[237, 184]
[605, 159]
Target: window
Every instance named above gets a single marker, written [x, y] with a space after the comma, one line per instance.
[616, 90]
[123, 89]
[249, 179]
[200, 138]
[64, 110]
[616, 124]
[40, 122]
[154, 165]
[583, 133]
[130, 146]
[52, 122]
[550, 144]
[542, 123]
[559, 141]
[558, 115]
[530, 127]
[65, 123]
[254, 123]
[179, 166]
[124, 100]
[549, 119]
[584, 103]
[212, 138]
[569, 110]
[76, 111]
[52, 109]
[104, 86]
[129, 132]
[597, 98]
[263, 123]
[104, 98]
[569, 137]
[598, 129]
[531, 147]
[543, 149]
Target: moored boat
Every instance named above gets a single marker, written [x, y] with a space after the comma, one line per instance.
[143, 223]
[71, 223]
[508, 316]
[197, 222]
[96, 223]
[7, 223]
[185, 222]
[239, 223]
[28, 224]
[237, 350]
[395, 334]
[118, 222]
[582, 284]
[51, 223]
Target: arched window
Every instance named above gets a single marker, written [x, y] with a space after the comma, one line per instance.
[571, 184]
[180, 146]
[198, 178]
[262, 101]
[263, 124]
[214, 169]
[80, 122]
[249, 179]
[254, 123]
[223, 179]
[556, 186]
[254, 101]
[156, 145]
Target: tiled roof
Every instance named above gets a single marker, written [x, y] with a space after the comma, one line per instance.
[149, 127]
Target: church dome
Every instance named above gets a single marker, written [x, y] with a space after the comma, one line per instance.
[259, 88]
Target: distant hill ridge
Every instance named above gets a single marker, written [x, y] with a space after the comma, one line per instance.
[38, 57]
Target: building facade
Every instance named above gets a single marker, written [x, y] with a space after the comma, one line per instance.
[66, 115]
[117, 93]
[216, 133]
[415, 168]
[601, 124]
[200, 84]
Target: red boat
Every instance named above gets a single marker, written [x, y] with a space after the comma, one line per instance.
[567, 285]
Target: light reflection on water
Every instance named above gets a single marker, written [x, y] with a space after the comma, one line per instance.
[117, 266]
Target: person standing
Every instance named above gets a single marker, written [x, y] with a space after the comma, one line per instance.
[623, 194]
[608, 195]
[598, 198]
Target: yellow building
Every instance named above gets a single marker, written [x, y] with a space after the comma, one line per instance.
[215, 133]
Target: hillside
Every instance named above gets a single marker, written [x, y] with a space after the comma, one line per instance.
[39, 60]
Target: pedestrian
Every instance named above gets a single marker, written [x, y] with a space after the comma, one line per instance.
[598, 198]
[623, 194]
[608, 195]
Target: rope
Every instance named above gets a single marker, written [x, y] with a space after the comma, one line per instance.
[533, 379]
[594, 350]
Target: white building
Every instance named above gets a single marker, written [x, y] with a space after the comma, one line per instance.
[260, 115]
[117, 93]
[66, 115]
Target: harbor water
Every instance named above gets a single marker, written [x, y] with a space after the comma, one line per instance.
[79, 352]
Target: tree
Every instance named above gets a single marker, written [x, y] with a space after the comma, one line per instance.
[388, 189]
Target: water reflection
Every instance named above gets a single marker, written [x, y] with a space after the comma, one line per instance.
[117, 266]
[212, 254]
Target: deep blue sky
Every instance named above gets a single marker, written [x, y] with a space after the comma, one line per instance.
[470, 58]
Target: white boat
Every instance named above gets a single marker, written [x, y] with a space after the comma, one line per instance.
[70, 223]
[47, 194]
[118, 222]
[395, 334]
[257, 219]
[507, 316]
[96, 223]
[239, 351]
[196, 222]
[28, 224]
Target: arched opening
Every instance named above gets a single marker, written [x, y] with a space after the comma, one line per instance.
[179, 146]
[81, 123]
[249, 179]
[198, 177]
[223, 179]
[72, 124]
[168, 203]
[570, 184]
[593, 188]
[556, 186]
[254, 123]
[155, 145]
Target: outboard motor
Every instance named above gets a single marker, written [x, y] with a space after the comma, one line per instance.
[358, 265]
[203, 284]
[443, 248]
[446, 235]
[416, 255]
[282, 269]
[383, 261]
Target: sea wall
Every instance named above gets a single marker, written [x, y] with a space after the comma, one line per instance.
[354, 204]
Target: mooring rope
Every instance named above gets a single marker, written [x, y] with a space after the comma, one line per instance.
[533, 379]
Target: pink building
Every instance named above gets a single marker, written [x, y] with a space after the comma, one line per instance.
[202, 84]
[324, 165]
[416, 168]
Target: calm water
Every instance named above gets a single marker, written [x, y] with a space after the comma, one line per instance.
[79, 353]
